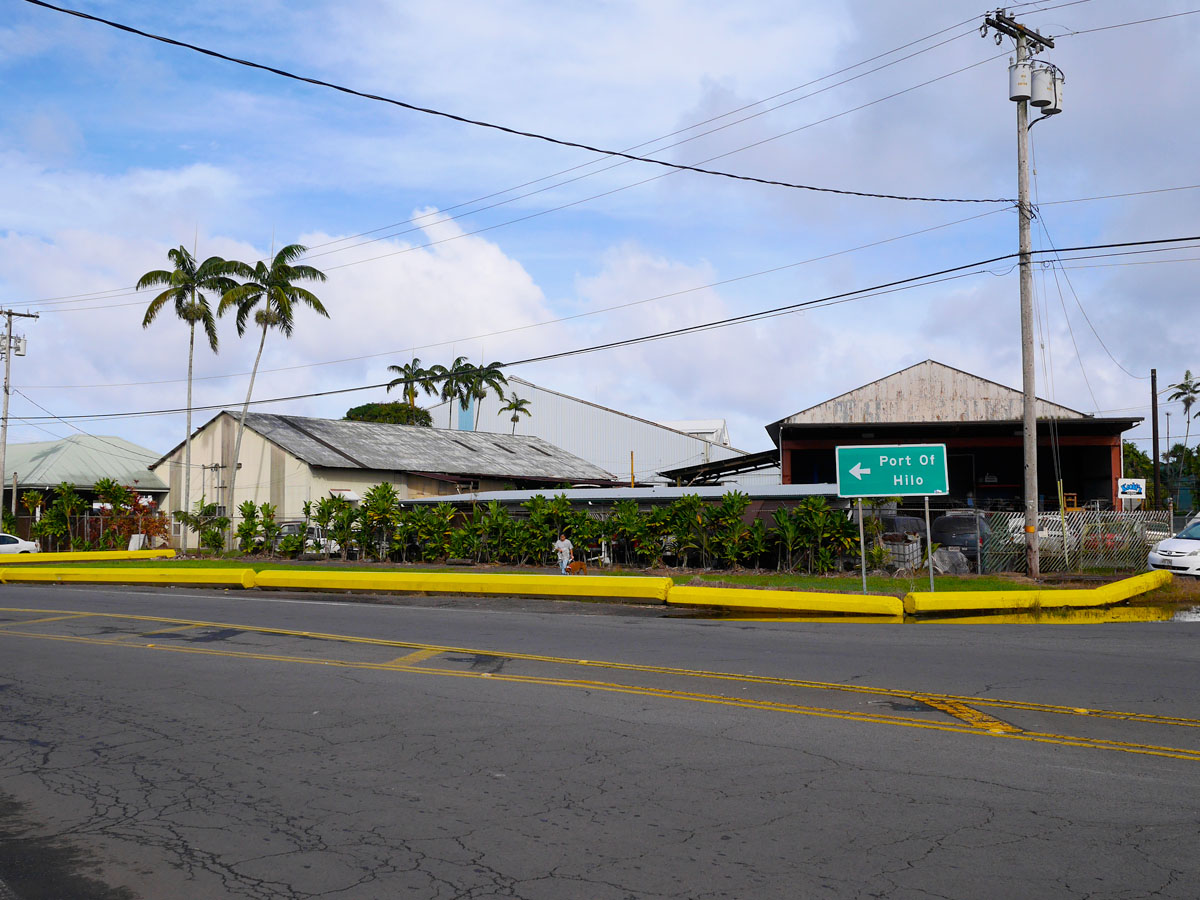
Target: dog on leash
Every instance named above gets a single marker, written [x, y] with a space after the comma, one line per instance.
[579, 567]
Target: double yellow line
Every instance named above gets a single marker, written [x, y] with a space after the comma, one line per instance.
[968, 719]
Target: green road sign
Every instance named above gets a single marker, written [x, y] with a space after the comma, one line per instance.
[892, 470]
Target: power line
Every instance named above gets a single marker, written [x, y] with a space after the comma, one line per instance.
[1181, 187]
[43, 302]
[433, 243]
[129, 290]
[124, 451]
[517, 328]
[1190, 12]
[1086, 318]
[845, 296]
[504, 128]
[413, 220]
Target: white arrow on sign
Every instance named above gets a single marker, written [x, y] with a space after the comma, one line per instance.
[858, 471]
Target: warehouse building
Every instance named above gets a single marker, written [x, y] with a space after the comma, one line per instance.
[633, 448]
[978, 420]
[288, 460]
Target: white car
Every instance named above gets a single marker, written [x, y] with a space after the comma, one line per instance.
[12, 544]
[1179, 554]
[1050, 534]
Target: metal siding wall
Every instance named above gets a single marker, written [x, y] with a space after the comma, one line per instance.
[278, 474]
[600, 436]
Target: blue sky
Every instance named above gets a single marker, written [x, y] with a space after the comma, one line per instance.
[114, 149]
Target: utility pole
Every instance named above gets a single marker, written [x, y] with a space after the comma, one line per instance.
[8, 353]
[1020, 85]
[1154, 433]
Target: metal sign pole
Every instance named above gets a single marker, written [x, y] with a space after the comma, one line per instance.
[929, 544]
[862, 546]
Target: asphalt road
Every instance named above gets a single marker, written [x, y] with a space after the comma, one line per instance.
[200, 744]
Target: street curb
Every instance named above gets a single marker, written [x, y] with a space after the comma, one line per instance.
[742, 599]
[645, 588]
[240, 578]
[922, 602]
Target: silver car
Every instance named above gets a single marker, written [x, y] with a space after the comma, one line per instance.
[1180, 554]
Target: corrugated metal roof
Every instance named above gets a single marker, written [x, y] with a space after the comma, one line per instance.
[651, 492]
[929, 391]
[82, 460]
[338, 444]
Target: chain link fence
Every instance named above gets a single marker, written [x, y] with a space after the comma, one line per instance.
[1075, 541]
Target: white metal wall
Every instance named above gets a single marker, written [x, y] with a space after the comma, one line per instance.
[604, 437]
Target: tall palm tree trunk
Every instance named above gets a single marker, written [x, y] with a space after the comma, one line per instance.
[187, 443]
[237, 445]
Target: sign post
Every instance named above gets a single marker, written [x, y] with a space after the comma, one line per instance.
[862, 546]
[892, 470]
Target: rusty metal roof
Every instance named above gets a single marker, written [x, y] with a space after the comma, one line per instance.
[340, 444]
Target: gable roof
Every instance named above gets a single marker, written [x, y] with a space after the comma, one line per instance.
[82, 460]
[339, 444]
[670, 428]
[926, 392]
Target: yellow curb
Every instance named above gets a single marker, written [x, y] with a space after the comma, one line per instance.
[786, 601]
[242, 578]
[631, 588]
[923, 602]
[86, 556]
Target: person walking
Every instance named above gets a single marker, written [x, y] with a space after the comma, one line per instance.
[566, 551]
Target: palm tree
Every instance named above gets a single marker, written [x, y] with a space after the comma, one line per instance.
[272, 290]
[412, 377]
[517, 407]
[1188, 391]
[479, 381]
[186, 285]
[453, 380]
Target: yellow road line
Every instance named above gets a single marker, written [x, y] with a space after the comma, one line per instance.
[972, 717]
[716, 699]
[415, 657]
[991, 702]
[46, 619]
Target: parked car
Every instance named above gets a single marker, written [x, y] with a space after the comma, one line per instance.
[316, 540]
[1180, 554]
[12, 544]
[1111, 537]
[1051, 536]
[960, 532]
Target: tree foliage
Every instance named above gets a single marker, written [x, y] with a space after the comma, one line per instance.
[393, 413]
[690, 532]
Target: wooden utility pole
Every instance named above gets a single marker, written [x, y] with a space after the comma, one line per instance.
[1027, 41]
[1154, 435]
[8, 353]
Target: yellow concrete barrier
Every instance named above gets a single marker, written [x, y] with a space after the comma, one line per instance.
[10, 559]
[241, 578]
[1138, 584]
[785, 601]
[925, 603]
[599, 586]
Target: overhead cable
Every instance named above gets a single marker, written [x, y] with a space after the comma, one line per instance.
[504, 128]
[886, 287]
